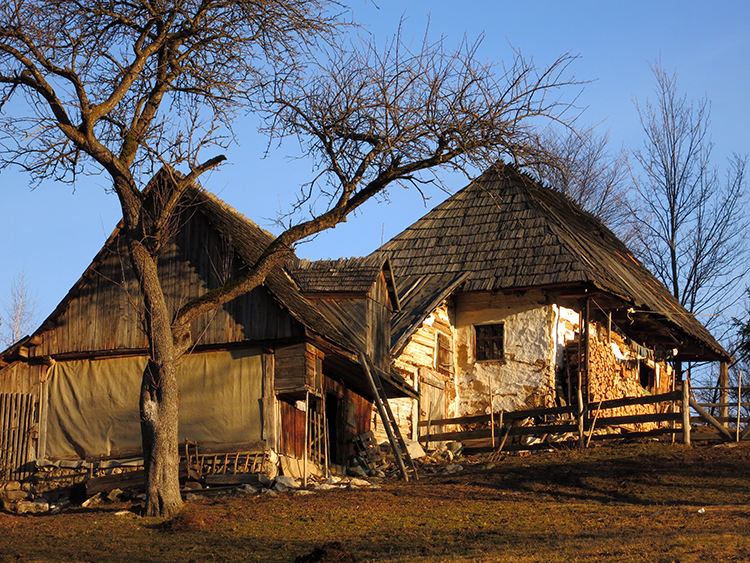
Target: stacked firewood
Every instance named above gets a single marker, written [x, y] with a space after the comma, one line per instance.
[609, 379]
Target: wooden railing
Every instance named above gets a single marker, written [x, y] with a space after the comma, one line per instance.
[730, 421]
[544, 428]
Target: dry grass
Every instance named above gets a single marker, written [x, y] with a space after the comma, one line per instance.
[637, 503]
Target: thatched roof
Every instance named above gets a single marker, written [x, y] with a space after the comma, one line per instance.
[511, 233]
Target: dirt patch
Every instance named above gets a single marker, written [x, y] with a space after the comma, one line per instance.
[643, 502]
[186, 522]
[332, 552]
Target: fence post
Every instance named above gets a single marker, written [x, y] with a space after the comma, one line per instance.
[581, 432]
[686, 411]
[739, 403]
[724, 393]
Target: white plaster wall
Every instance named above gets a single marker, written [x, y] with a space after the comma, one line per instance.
[567, 327]
[525, 377]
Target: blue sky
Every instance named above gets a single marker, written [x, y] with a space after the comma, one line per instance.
[52, 232]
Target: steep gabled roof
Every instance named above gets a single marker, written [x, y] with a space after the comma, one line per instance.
[421, 296]
[511, 233]
[249, 241]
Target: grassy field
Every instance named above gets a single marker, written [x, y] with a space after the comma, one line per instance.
[633, 503]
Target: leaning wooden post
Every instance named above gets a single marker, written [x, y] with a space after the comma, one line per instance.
[581, 431]
[492, 412]
[583, 367]
[686, 411]
[307, 436]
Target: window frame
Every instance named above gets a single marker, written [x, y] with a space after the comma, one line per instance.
[483, 344]
[443, 350]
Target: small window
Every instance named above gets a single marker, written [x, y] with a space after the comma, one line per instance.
[489, 342]
[647, 376]
[444, 354]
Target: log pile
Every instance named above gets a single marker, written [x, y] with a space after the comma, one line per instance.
[609, 379]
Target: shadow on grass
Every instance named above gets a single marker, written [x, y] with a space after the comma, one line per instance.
[641, 476]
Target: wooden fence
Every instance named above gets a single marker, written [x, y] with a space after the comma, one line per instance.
[17, 435]
[532, 429]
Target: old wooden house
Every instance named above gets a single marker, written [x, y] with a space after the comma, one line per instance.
[507, 288]
[274, 370]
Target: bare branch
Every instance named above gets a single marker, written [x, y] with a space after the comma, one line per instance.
[691, 226]
[378, 116]
[20, 311]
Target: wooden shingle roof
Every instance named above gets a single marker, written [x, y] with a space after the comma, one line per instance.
[345, 275]
[509, 232]
[249, 240]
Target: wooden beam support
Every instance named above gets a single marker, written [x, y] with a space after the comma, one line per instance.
[724, 389]
[711, 420]
[686, 412]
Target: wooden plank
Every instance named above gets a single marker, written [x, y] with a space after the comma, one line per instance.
[555, 411]
[270, 407]
[514, 415]
[553, 428]
[485, 445]
[128, 480]
[27, 448]
[232, 448]
[43, 413]
[16, 434]
[5, 432]
[710, 419]
[228, 479]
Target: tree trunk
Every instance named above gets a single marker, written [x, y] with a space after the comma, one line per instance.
[159, 398]
[159, 433]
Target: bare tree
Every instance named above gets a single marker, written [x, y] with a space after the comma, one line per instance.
[20, 310]
[691, 225]
[583, 167]
[129, 87]
[372, 116]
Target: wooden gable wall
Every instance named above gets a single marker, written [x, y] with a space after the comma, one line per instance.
[367, 318]
[104, 312]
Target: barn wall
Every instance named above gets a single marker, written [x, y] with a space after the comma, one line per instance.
[105, 312]
[93, 404]
[21, 412]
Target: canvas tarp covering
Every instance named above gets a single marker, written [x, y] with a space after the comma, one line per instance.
[93, 404]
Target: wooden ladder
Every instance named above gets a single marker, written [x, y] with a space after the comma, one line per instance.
[389, 422]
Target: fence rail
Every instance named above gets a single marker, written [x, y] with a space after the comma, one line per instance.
[512, 431]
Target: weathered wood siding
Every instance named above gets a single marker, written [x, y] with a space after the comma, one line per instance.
[347, 415]
[379, 323]
[417, 364]
[105, 312]
[292, 430]
[22, 402]
[298, 367]
[366, 318]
